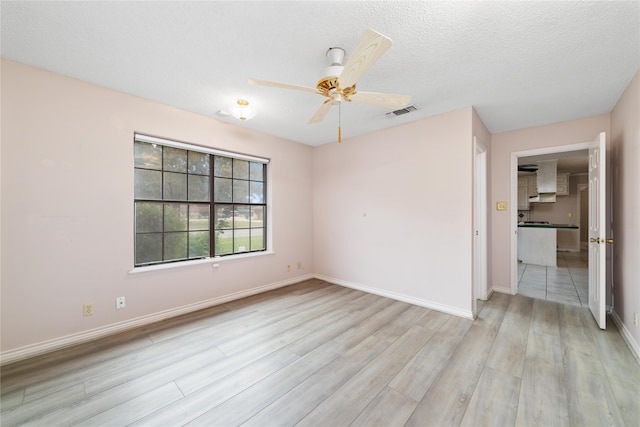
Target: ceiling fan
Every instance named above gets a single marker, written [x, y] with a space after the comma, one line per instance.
[338, 82]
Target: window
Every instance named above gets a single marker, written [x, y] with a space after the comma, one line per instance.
[192, 202]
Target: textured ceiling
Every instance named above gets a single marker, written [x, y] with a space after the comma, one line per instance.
[520, 64]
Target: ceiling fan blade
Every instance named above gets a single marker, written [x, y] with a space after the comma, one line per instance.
[321, 112]
[370, 47]
[283, 85]
[388, 100]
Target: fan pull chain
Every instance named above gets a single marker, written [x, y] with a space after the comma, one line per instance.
[340, 122]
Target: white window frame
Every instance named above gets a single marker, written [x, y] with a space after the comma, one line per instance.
[216, 260]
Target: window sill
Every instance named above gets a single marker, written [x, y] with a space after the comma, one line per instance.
[215, 260]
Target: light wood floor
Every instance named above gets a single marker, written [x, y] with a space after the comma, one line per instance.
[315, 354]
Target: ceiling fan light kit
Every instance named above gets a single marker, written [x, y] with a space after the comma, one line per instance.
[338, 82]
[335, 55]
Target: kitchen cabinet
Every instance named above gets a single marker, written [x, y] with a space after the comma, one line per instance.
[533, 185]
[563, 184]
[528, 187]
[523, 193]
[537, 242]
[537, 246]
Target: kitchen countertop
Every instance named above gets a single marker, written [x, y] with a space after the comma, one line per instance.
[564, 226]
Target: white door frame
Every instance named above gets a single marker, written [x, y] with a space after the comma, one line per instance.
[513, 265]
[480, 223]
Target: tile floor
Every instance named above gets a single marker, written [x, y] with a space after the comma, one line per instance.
[568, 283]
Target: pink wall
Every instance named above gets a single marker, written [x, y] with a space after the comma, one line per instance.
[502, 146]
[625, 147]
[480, 131]
[389, 212]
[67, 208]
[393, 211]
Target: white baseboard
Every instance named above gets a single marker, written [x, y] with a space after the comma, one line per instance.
[502, 290]
[103, 331]
[399, 297]
[489, 294]
[487, 297]
[626, 335]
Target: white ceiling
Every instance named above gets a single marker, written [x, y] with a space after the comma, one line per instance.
[520, 64]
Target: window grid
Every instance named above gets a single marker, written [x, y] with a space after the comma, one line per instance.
[252, 221]
[244, 236]
[243, 228]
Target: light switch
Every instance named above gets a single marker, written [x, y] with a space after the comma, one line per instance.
[501, 206]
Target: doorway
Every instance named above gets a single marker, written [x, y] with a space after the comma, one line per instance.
[550, 264]
[599, 227]
[567, 281]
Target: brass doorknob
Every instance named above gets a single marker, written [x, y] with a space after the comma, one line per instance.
[600, 240]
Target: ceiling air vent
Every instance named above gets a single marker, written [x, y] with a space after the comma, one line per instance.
[402, 111]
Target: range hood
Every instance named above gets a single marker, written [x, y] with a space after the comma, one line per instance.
[547, 182]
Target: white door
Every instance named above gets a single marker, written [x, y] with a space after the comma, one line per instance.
[480, 222]
[597, 229]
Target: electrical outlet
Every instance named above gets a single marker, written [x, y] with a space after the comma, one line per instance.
[120, 303]
[288, 267]
[635, 319]
[299, 265]
[87, 309]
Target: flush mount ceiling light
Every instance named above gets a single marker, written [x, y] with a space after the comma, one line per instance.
[241, 110]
